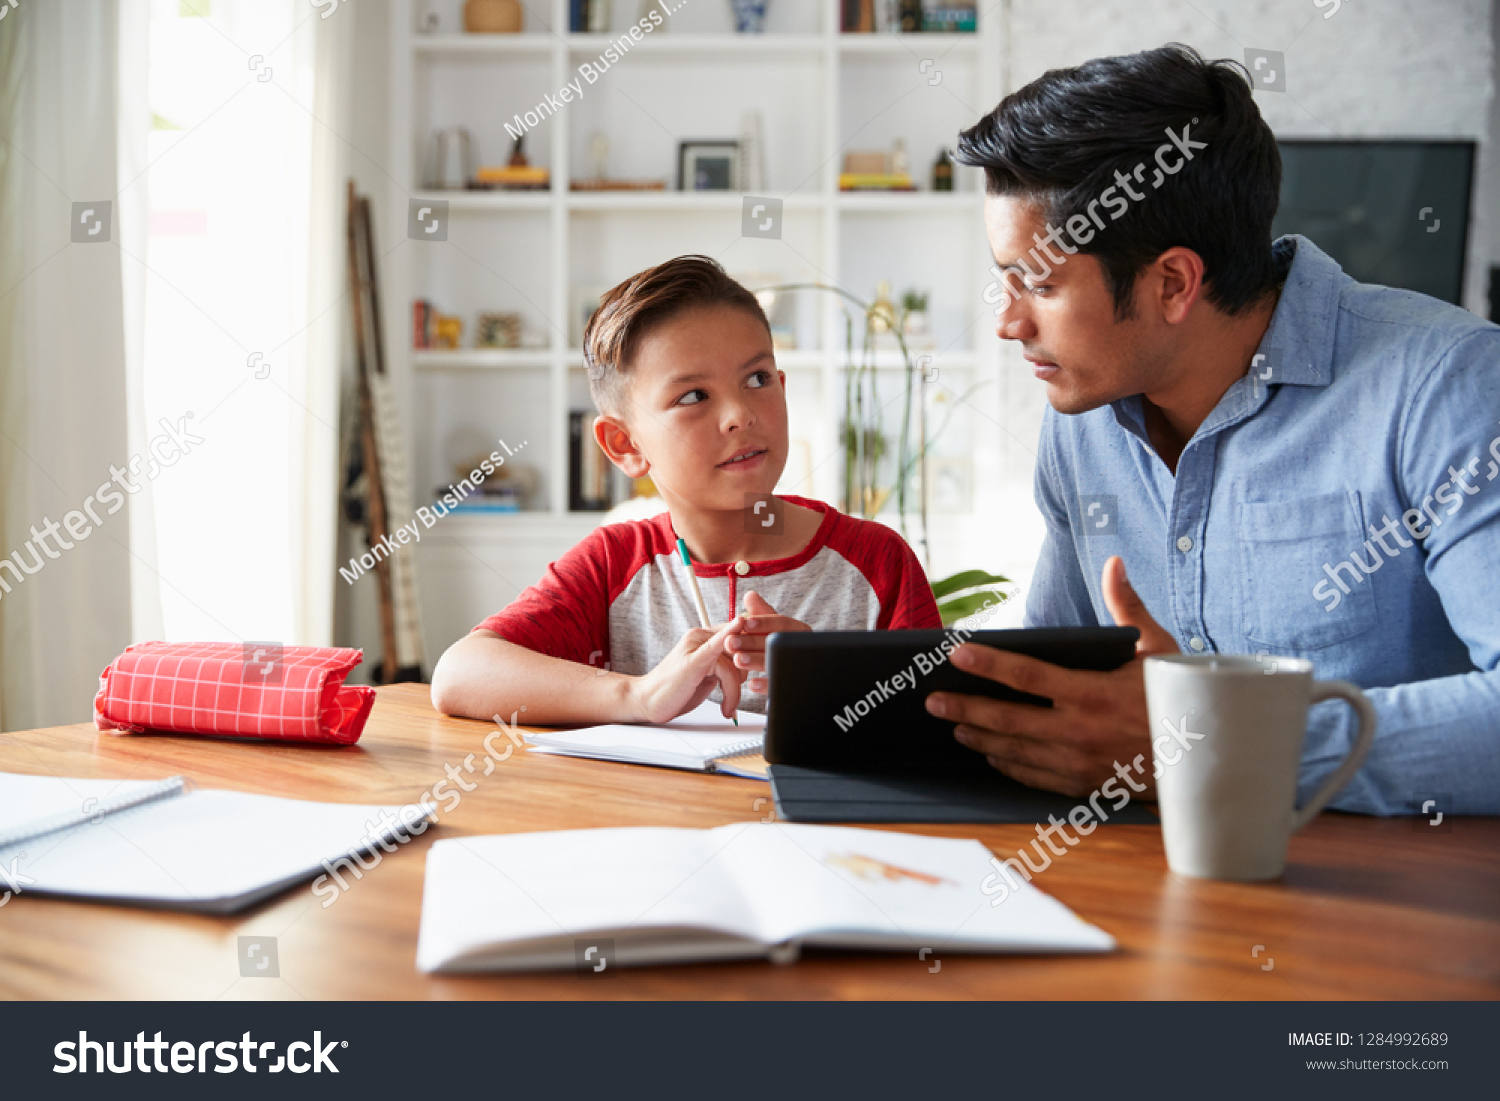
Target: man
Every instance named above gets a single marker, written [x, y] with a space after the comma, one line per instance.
[1288, 461]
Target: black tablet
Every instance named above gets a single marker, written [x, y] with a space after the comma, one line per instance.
[854, 701]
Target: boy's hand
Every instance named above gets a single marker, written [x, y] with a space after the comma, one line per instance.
[687, 675]
[749, 644]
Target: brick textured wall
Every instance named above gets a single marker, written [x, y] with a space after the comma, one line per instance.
[1354, 68]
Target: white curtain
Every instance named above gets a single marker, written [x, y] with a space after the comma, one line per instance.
[218, 141]
[63, 384]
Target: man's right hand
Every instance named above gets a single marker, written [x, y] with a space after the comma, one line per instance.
[688, 674]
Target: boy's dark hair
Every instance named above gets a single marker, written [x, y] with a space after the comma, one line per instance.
[642, 302]
[1059, 141]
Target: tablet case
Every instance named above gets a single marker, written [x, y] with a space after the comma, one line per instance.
[815, 795]
[849, 738]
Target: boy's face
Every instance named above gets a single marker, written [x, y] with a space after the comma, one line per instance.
[705, 410]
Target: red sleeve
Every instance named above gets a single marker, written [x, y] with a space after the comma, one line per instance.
[566, 614]
[893, 571]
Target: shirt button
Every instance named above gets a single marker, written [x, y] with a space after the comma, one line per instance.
[742, 568]
[1185, 544]
[1196, 643]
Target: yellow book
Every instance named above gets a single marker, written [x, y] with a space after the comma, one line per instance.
[870, 181]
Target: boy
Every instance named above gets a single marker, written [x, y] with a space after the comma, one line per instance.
[681, 367]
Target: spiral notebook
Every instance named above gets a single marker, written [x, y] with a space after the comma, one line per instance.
[160, 843]
[701, 740]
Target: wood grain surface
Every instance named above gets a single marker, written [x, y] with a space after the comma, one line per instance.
[1368, 908]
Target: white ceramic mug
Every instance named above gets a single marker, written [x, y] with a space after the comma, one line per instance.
[1226, 733]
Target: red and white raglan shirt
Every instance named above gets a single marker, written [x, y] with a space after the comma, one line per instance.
[621, 598]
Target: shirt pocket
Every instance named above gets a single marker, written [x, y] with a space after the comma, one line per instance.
[1284, 546]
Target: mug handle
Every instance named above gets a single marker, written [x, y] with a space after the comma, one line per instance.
[1342, 690]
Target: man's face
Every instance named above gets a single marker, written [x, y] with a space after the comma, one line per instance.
[1065, 320]
[706, 407]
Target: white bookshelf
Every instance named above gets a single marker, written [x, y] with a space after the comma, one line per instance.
[819, 92]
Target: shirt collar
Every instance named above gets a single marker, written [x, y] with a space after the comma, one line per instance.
[1300, 338]
[1298, 341]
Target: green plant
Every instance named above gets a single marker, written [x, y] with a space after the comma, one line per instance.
[864, 443]
[962, 594]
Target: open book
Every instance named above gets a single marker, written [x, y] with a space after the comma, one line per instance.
[644, 895]
[702, 740]
[159, 844]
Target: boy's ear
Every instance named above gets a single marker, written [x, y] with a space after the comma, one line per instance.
[614, 440]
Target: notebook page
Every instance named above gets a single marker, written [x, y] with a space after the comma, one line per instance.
[29, 801]
[211, 850]
[839, 885]
[688, 741]
[520, 900]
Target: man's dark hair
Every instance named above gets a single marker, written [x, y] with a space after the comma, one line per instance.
[1059, 141]
[629, 311]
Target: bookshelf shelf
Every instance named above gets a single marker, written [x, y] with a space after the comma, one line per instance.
[584, 46]
[500, 44]
[909, 202]
[679, 202]
[489, 201]
[917, 45]
[821, 94]
[471, 359]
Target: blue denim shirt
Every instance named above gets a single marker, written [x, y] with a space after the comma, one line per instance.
[1340, 503]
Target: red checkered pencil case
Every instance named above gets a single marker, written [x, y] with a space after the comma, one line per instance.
[248, 690]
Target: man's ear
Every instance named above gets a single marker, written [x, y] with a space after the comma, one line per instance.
[614, 440]
[1180, 274]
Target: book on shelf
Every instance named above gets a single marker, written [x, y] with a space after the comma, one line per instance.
[589, 483]
[421, 323]
[908, 16]
[511, 177]
[950, 18]
[875, 181]
[588, 16]
[618, 185]
[486, 501]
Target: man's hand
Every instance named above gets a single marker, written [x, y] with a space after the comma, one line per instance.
[1095, 721]
[749, 647]
[687, 675]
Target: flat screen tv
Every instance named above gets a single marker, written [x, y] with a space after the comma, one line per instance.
[1393, 212]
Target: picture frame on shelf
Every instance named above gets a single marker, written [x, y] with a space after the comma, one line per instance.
[708, 165]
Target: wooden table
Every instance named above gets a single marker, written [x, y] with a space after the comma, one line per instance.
[1368, 908]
